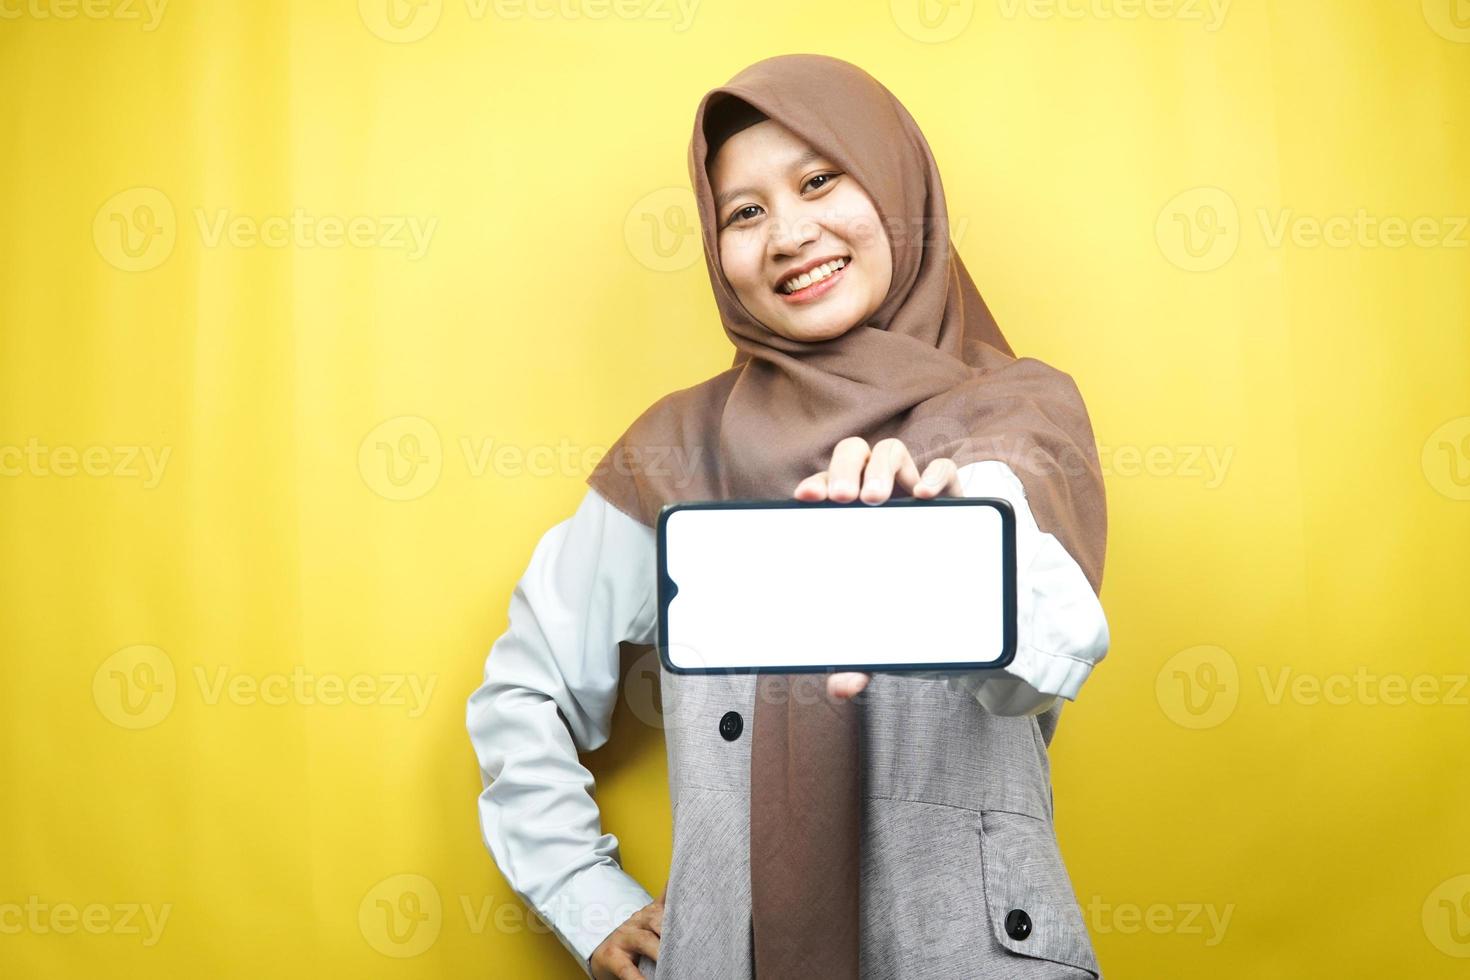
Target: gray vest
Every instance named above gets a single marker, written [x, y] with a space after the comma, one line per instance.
[961, 874]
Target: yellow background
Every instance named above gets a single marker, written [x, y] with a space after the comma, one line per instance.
[332, 503]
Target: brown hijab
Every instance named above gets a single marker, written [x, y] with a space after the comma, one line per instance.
[931, 368]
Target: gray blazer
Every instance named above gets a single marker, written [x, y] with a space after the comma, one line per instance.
[957, 765]
[961, 873]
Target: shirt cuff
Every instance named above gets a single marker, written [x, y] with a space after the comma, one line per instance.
[591, 907]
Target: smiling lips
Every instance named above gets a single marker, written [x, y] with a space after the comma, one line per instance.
[814, 282]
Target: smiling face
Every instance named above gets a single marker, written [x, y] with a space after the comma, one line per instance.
[784, 210]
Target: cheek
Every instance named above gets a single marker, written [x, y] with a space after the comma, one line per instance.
[859, 224]
[742, 268]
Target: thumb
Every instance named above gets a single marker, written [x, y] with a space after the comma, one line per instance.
[847, 684]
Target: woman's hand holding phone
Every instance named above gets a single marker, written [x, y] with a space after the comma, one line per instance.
[858, 471]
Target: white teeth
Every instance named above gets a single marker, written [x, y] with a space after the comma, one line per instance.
[816, 275]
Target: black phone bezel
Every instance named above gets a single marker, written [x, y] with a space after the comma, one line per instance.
[667, 589]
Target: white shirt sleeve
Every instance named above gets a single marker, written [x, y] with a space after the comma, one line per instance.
[1061, 630]
[551, 682]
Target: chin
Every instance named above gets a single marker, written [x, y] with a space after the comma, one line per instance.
[825, 328]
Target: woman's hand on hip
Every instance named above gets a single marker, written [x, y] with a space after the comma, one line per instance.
[860, 472]
[616, 957]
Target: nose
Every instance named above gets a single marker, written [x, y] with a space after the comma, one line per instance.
[790, 233]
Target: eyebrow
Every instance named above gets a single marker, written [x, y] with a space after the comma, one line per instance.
[724, 198]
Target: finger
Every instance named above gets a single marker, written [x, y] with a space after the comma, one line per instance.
[626, 969]
[651, 917]
[609, 963]
[846, 469]
[813, 487]
[846, 684]
[890, 458]
[645, 942]
[941, 478]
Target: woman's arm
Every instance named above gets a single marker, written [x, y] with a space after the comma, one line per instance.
[1061, 630]
[551, 681]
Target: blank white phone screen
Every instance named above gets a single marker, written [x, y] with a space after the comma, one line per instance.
[793, 587]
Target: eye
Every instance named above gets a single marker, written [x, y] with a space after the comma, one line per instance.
[736, 215]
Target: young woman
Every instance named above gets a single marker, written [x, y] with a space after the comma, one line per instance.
[896, 824]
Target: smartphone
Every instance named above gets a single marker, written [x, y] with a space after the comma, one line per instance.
[791, 586]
